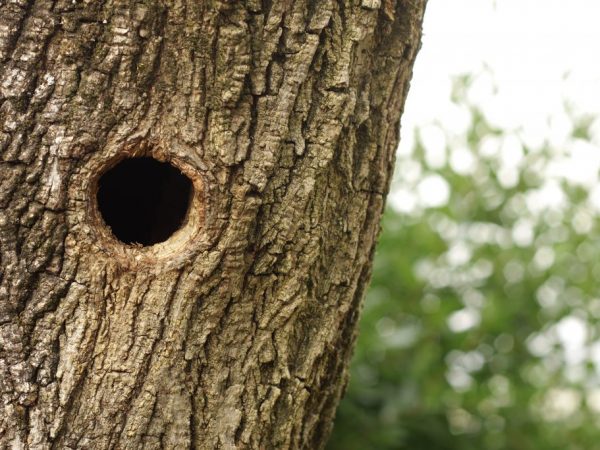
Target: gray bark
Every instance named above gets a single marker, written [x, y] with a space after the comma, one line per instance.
[237, 331]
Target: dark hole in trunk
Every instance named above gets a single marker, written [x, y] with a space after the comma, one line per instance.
[143, 200]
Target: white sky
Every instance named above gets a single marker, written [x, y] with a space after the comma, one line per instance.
[539, 52]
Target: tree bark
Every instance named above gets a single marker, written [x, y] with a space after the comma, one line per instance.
[237, 331]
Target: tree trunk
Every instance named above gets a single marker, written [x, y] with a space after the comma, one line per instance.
[236, 331]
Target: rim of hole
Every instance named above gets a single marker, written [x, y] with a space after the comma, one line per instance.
[177, 246]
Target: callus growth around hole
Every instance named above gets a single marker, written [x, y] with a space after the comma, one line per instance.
[143, 200]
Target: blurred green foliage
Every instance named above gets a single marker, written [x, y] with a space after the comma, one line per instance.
[479, 330]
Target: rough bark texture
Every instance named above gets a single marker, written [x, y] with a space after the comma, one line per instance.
[236, 332]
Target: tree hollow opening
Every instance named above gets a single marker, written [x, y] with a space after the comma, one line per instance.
[143, 200]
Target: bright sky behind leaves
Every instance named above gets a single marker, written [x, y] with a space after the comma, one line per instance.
[537, 64]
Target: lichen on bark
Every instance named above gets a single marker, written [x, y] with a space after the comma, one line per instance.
[287, 114]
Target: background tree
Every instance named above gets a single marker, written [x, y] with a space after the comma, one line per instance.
[277, 124]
